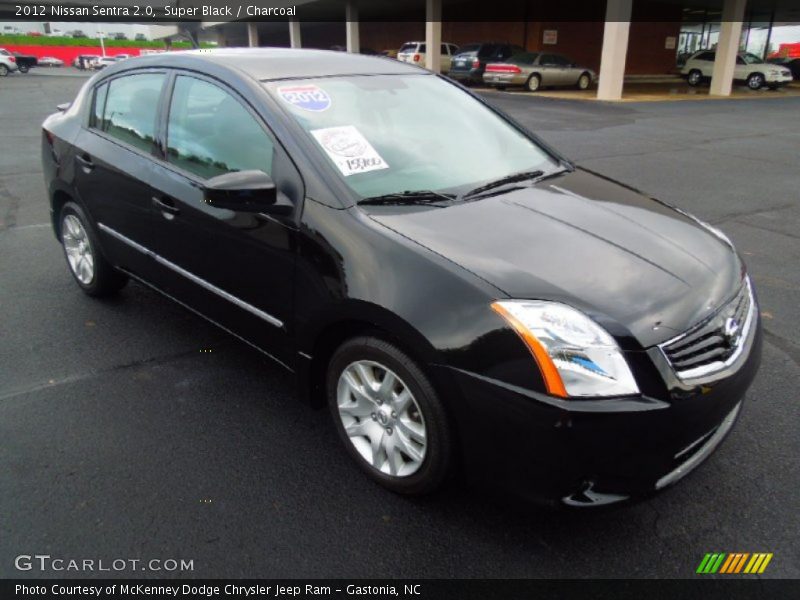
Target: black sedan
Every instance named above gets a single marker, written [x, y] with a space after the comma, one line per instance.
[545, 328]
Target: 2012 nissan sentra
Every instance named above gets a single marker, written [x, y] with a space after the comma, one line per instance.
[460, 295]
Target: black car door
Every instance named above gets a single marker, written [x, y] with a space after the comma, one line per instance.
[114, 164]
[236, 268]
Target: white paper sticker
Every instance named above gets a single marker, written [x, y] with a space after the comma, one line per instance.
[350, 150]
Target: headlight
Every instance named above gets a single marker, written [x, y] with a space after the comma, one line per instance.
[576, 356]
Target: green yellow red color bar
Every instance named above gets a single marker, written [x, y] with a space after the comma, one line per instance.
[732, 563]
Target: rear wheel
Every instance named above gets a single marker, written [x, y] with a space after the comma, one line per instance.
[91, 271]
[534, 83]
[584, 81]
[388, 416]
[23, 68]
[3, 70]
[755, 81]
[695, 78]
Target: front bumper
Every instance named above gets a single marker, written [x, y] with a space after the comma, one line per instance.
[593, 452]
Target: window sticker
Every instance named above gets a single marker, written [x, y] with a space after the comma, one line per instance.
[307, 97]
[350, 150]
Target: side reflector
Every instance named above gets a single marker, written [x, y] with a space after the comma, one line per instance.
[552, 379]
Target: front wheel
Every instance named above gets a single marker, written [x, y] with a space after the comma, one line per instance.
[23, 69]
[534, 83]
[389, 417]
[694, 78]
[91, 271]
[755, 81]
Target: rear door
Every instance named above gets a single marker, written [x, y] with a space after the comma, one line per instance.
[113, 167]
[236, 268]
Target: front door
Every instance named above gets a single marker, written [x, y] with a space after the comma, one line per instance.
[236, 268]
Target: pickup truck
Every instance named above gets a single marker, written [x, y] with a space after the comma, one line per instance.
[25, 62]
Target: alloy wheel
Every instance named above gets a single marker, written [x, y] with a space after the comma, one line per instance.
[78, 248]
[382, 419]
[583, 82]
[755, 81]
[533, 83]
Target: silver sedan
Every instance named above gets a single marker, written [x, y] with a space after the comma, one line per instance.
[534, 70]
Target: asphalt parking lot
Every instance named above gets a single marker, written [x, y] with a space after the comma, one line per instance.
[132, 429]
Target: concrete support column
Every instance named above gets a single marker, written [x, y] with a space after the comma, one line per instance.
[252, 35]
[433, 35]
[294, 34]
[351, 18]
[730, 32]
[615, 49]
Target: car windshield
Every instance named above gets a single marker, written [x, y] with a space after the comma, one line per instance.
[386, 134]
[751, 59]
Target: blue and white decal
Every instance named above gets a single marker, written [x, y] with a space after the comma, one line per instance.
[306, 97]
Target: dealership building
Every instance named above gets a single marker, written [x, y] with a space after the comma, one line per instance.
[617, 38]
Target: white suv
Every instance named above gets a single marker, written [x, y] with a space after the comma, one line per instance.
[414, 52]
[8, 63]
[749, 69]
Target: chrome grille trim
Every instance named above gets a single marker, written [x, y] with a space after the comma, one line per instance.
[707, 349]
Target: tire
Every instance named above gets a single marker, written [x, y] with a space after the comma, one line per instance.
[584, 81]
[694, 78]
[3, 70]
[501, 88]
[534, 83]
[400, 437]
[755, 81]
[23, 69]
[89, 268]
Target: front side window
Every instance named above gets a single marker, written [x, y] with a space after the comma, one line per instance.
[131, 104]
[391, 133]
[210, 132]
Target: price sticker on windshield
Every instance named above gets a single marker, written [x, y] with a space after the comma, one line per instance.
[349, 150]
[306, 97]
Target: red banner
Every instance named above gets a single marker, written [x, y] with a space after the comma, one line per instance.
[68, 53]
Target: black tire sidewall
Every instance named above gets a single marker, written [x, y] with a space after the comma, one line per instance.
[691, 74]
[438, 452]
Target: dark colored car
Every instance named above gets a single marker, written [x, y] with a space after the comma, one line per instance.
[470, 61]
[25, 62]
[793, 64]
[552, 331]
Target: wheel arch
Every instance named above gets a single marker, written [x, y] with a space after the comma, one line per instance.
[356, 318]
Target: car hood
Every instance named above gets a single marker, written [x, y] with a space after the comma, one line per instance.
[642, 269]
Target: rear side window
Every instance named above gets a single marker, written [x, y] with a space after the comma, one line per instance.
[131, 104]
[210, 132]
[705, 56]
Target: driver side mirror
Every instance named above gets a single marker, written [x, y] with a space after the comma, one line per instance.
[245, 191]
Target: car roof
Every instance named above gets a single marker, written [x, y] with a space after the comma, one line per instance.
[266, 64]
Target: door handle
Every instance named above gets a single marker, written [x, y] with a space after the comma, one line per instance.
[166, 206]
[86, 162]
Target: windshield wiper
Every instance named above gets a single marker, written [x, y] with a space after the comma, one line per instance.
[537, 175]
[428, 197]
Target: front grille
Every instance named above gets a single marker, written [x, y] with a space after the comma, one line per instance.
[712, 345]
